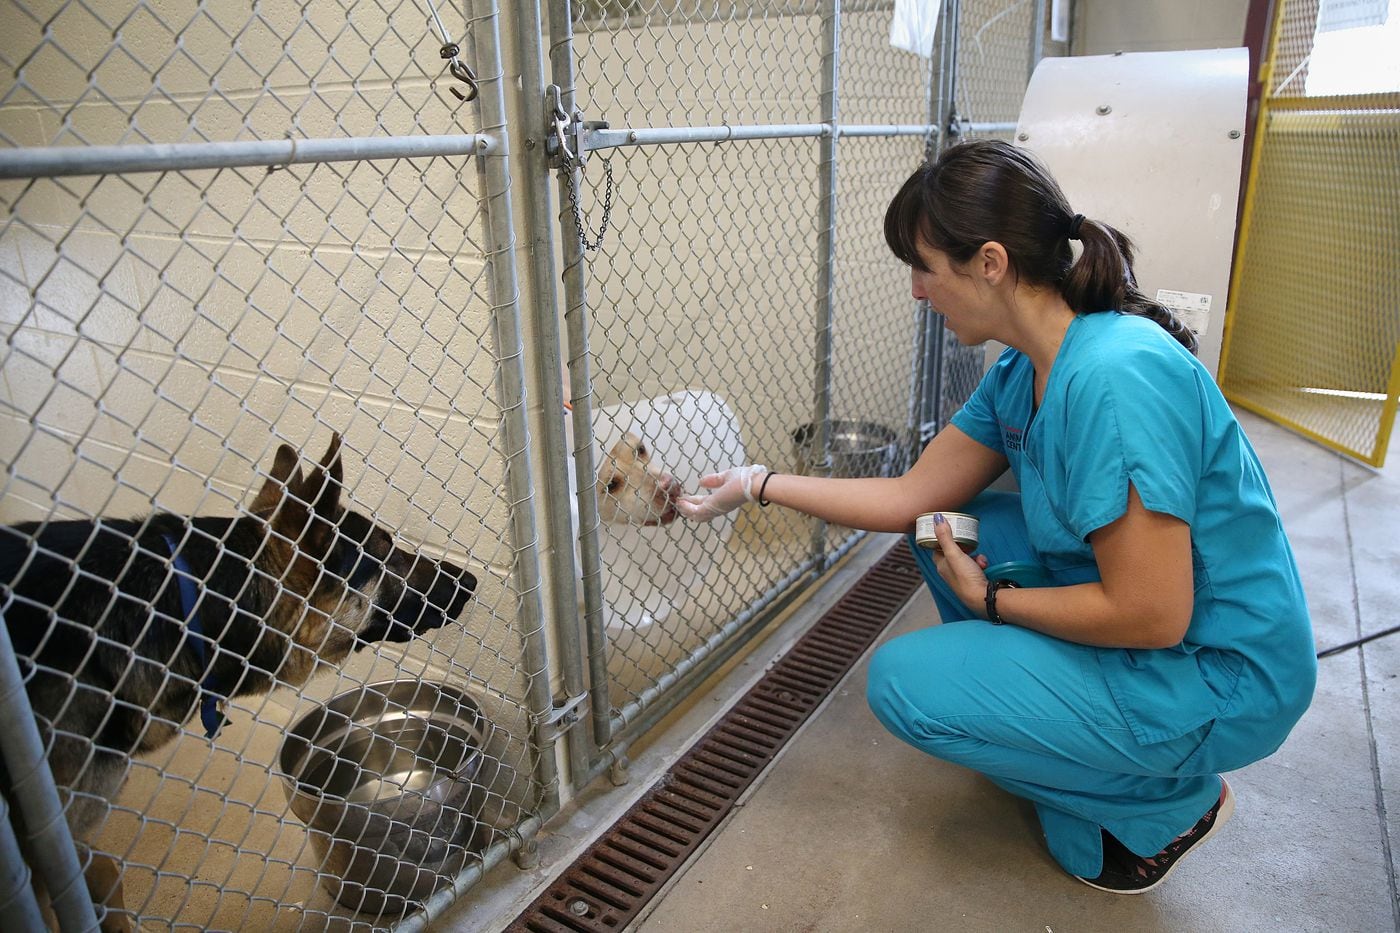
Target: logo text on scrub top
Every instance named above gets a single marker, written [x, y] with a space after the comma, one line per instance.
[1011, 437]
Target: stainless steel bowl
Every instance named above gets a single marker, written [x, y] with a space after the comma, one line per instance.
[389, 779]
[858, 448]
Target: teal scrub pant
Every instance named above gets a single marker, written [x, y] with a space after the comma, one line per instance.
[1034, 714]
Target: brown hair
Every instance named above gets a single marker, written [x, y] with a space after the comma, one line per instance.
[985, 189]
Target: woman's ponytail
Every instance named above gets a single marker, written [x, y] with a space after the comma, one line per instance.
[986, 189]
[1102, 279]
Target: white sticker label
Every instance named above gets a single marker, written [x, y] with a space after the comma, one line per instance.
[1193, 308]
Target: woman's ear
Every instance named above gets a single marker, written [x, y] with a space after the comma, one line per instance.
[993, 263]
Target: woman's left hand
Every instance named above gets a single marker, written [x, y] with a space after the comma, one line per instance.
[959, 570]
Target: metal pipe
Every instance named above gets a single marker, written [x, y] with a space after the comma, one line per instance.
[940, 109]
[33, 793]
[1037, 36]
[483, 16]
[970, 126]
[561, 57]
[19, 910]
[919, 379]
[665, 136]
[544, 315]
[826, 257]
[443, 898]
[616, 753]
[54, 161]
[648, 136]
[945, 64]
[884, 130]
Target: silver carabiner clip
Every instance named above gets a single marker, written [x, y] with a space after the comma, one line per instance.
[561, 126]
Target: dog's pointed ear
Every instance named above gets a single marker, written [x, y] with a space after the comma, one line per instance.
[330, 460]
[320, 491]
[284, 474]
[327, 491]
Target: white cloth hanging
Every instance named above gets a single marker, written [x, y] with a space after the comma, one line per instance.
[913, 25]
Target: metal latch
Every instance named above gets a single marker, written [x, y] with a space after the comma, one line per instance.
[565, 141]
[565, 144]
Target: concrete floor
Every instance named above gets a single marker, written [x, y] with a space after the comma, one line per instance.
[852, 830]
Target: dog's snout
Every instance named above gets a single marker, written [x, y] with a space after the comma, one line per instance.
[669, 485]
[451, 590]
[445, 588]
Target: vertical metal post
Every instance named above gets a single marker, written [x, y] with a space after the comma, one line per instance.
[18, 908]
[928, 358]
[1037, 36]
[484, 28]
[33, 793]
[561, 59]
[540, 220]
[942, 107]
[826, 252]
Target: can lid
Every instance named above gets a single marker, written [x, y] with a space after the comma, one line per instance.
[1021, 572]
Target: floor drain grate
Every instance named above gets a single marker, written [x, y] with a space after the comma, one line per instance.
[615, 878]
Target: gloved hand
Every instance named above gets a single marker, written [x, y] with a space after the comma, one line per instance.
[728, 490]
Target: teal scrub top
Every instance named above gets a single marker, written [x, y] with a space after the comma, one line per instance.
[1126, 402]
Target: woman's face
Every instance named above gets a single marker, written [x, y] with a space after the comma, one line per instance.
[954, 292]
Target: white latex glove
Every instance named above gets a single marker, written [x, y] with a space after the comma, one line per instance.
[728, 490]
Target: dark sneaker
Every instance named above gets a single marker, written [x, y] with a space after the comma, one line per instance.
[1127, 873]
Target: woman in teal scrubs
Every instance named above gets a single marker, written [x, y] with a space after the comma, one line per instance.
[1173, 641]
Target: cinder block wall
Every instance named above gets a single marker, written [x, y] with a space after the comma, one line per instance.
[202, 317]
[1104, 26]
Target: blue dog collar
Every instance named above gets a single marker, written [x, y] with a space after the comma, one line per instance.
[209, 712]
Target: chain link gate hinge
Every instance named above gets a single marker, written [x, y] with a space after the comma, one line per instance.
[565, 713]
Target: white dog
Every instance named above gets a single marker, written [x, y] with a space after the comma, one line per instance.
[631, 489]
[650, 563]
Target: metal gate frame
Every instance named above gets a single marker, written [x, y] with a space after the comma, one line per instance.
[1349, 406]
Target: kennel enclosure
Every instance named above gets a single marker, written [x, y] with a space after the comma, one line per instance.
[228, 229]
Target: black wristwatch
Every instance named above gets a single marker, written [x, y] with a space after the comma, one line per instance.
[992, 587]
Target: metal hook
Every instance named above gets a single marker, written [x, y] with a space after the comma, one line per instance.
[461, 72]
[561, 125]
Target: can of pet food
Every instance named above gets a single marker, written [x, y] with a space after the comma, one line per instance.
[964, 530]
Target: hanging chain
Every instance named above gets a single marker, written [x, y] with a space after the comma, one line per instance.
[568, 162]
[572, 181]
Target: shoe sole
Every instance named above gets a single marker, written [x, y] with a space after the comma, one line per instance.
[1227, 810]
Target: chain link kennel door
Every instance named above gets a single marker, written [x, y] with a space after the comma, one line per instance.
[708, 309]
[231, 238]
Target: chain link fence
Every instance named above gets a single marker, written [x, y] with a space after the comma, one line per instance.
[268, 472]
[167, 333]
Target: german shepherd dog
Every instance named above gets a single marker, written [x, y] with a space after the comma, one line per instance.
[124, 630]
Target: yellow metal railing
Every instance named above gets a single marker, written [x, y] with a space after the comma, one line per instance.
[1312, 335]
